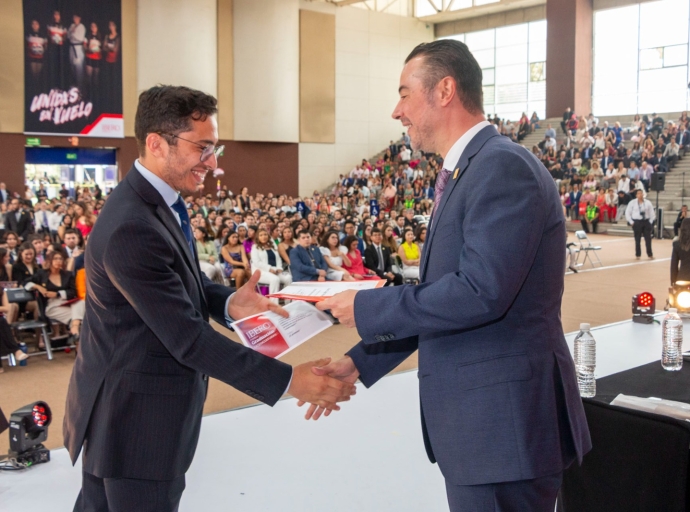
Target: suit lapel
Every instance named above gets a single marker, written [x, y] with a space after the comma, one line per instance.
[151, 195]
[472, 149]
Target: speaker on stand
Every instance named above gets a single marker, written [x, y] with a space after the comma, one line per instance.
[657, 185]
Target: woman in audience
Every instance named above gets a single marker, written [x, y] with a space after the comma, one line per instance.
[243, 202]
[534, 121]
[26, 266]
[221, 236]
[236, 264]
[336, 257]
[420, 237]
[287, 244]
[12, 242]
[366, 235]
[410, 254]
[10, 310]
[58, 288]
[265, 257]
[208, 256]
[355, 264]
[316, 233]
[389, 239]
[590, 182]
[66, 224]
[248, 242]
[85, 218]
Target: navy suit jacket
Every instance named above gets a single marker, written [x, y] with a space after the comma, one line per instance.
[139, 383]
[498, 392]
[301, 267]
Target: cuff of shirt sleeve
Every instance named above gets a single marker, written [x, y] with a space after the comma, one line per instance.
[63, 294]
[292, 372]
[228, 319]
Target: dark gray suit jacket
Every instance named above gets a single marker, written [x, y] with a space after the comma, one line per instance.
[498, 391]
[139, 383]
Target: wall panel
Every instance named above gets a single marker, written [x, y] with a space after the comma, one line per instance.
[177, 44]
[11, 67]
[317, 77]
[266, 61]
[226, 72]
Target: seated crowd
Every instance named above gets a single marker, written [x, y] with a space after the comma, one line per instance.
[599, 168]
[330, 236]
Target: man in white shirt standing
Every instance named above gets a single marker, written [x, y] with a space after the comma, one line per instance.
[641, 216]
[76, 33]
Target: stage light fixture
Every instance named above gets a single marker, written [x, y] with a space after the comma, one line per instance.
[643, 308]
[679, 297]
[28, 430]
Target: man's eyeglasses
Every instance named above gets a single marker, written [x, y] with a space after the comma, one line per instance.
[206, 151]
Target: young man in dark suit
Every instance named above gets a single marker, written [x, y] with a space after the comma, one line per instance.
[306, 260]
[377, 257]
[19, 220]
[147, 349]
[501, 411]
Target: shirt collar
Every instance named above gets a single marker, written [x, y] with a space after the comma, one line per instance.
[168, 193]
[456, 150]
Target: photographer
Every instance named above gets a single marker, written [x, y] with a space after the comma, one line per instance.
[640, 215]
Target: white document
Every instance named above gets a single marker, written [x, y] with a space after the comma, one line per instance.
[274, 336]
[315, 291]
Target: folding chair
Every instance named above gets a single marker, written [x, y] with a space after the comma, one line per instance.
[587, 248]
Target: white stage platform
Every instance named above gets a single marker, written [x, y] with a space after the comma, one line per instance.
[367, 458]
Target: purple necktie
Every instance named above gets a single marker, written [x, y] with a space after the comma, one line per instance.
[441, 181]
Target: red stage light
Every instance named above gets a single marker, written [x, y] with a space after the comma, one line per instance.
[645, 299]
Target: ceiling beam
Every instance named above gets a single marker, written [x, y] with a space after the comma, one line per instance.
[342, 3]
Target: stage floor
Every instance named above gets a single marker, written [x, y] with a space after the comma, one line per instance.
[369, 457]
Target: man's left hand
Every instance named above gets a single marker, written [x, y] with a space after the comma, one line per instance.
[342, 306]
[246, 301]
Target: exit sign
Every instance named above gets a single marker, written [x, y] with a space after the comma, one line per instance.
[71, 156]
[33, 141]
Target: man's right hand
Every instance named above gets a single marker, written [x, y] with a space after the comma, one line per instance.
[344, 370]
[317, 387]
[321, 272]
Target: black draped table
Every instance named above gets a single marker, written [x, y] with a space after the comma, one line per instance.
[639, 461]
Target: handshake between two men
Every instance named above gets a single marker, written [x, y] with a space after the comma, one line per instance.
[321, 383]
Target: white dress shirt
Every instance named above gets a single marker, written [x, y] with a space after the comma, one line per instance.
[636, 211]
[455, 152]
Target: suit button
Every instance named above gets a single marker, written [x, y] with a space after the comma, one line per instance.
[259, 397]
[390, 337]
[377, 338]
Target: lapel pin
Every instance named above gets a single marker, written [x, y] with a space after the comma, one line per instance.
[455, 174]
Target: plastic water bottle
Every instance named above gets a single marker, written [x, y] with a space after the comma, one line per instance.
[672, 341]
[23, 348]
[585, 361]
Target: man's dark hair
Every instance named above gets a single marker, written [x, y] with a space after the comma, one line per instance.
[349, 221]
[170, 109]
[448, 57]
[376, 230]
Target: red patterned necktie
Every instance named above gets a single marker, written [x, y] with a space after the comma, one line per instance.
[441, 181]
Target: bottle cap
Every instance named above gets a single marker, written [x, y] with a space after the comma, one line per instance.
[672, 310]
[584, 327]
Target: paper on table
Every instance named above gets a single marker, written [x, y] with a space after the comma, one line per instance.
[273, 336]
[316, 291]
[678, 410]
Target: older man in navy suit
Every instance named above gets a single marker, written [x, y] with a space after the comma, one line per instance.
[501, 412]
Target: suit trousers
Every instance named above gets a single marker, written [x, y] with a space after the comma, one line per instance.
[642, 228]
[128, 495]
[535, 495]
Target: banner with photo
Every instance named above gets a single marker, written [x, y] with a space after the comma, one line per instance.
[73, 72]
